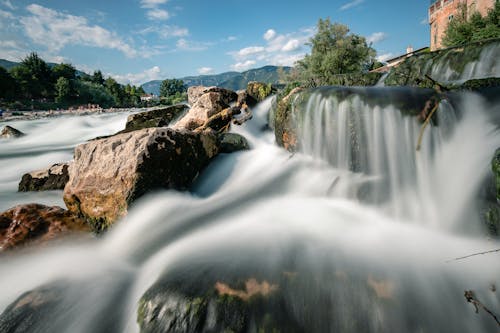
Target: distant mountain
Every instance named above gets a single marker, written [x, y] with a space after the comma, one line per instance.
[230, 80]
[8, 64]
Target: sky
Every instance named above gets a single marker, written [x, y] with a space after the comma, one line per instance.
[136, 41]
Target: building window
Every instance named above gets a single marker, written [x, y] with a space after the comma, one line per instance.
[450, 17]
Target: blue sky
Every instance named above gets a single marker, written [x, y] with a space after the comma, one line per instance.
[140, 40]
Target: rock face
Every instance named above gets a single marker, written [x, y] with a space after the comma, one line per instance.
[194, 93]
[155, 118]
[31, 223]
[108, 174]
[257, 92]
[283, 128]
[205, 107]
[232, 142]
[53, 178]
[10, 132]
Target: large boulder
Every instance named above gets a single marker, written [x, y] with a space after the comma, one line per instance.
[205, 107]
[155, 118]
[195, 92]
[53, 178]
[232, 142]
[108, 174]
[10, 132]
[257, 92]
[32, 223]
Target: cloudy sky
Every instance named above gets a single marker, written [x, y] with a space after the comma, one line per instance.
[140, 40]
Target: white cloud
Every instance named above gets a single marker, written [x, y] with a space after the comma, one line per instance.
[55, 30]
[166, 31]
[425, 21]
[384, 57]
[8, 4]
[153, 73]
[376, 37]
[241, 66]
[186, 45]
[152, 3]
[251, 50]
[6, 15]
[231, 39]
[291, 45]
[270, 34]
[158, 14]
[205, 70]
[351, 4]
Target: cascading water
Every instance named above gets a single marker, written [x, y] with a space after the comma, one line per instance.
[342, 261]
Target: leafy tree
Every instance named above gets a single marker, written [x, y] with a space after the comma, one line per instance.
[64, 70]
[34, 77]
[334, 50]
[7, 85]
[63, 89]
[464, 29]
[97, 78]
[115, 90]
[171, 87]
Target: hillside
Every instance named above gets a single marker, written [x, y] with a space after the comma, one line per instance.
[8, 64]
[229, 80]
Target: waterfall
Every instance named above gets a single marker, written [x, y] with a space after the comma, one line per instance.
[356, 230]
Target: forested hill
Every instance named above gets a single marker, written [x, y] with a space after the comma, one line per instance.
[229, 80]
[8, 65]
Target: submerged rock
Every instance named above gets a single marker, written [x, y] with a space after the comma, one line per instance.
[109, 174]
[10, 132]
[155, 118]
[53, 178]
[32, 223]
[232, 142]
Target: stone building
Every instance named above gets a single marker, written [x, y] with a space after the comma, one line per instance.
[443, 11]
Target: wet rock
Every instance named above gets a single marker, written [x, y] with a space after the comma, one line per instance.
[205, 107]
[195, 92]
[283, 127]
[220, 122]
[53, 178]
[257, 92]
[32, 310]
[109, 174]
[35, 223]
[155, 118]
[10, 132]
[232, 142]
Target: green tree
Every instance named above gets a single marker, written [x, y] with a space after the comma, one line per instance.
[97, 78]
[63, 90]
[64, 70]
[34, 77]
[7, 85]
[464, 28]
[115, 90]
[334, 50]
[171, 87]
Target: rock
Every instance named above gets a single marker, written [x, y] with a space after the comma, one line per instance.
[245, 304]
[10, 132]
[221, 121]
[108, 174]
[205, 107]
[232, 142]
[155, 118]
[53, 178]
[258, 92]
[32, 223]
[195, 92]
[283, 128]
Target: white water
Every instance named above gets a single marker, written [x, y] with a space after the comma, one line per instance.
[263, 207]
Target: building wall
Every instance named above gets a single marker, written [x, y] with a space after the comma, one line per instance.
[443, 11]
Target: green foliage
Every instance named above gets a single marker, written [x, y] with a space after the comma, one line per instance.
[334, 50]
[7, 85]
[34, 77]
[64, 70]
[97, 78]
[170, 87]
[463, 29]
[63, 89]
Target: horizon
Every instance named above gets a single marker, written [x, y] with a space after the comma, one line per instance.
[137, 41]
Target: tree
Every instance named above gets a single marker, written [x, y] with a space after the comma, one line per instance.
[171, 87]
[34, 77]
[63, 89]
[464, 28]
[64, 70]
[97, 78]
[334, 50]
[7, 85]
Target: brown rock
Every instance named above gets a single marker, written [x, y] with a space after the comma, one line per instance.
[205, 107]
[32, 223]
[155, 118]
[10, 132]
[221, 121]
[108, 174]
[53, 178]
[194, 93]
[257, 92]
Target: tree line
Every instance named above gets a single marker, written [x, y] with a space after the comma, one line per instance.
[34, 84]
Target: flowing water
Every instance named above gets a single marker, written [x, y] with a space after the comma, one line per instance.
[367, 223]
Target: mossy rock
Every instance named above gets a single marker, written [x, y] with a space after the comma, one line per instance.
[259, 91]
[155, 118]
